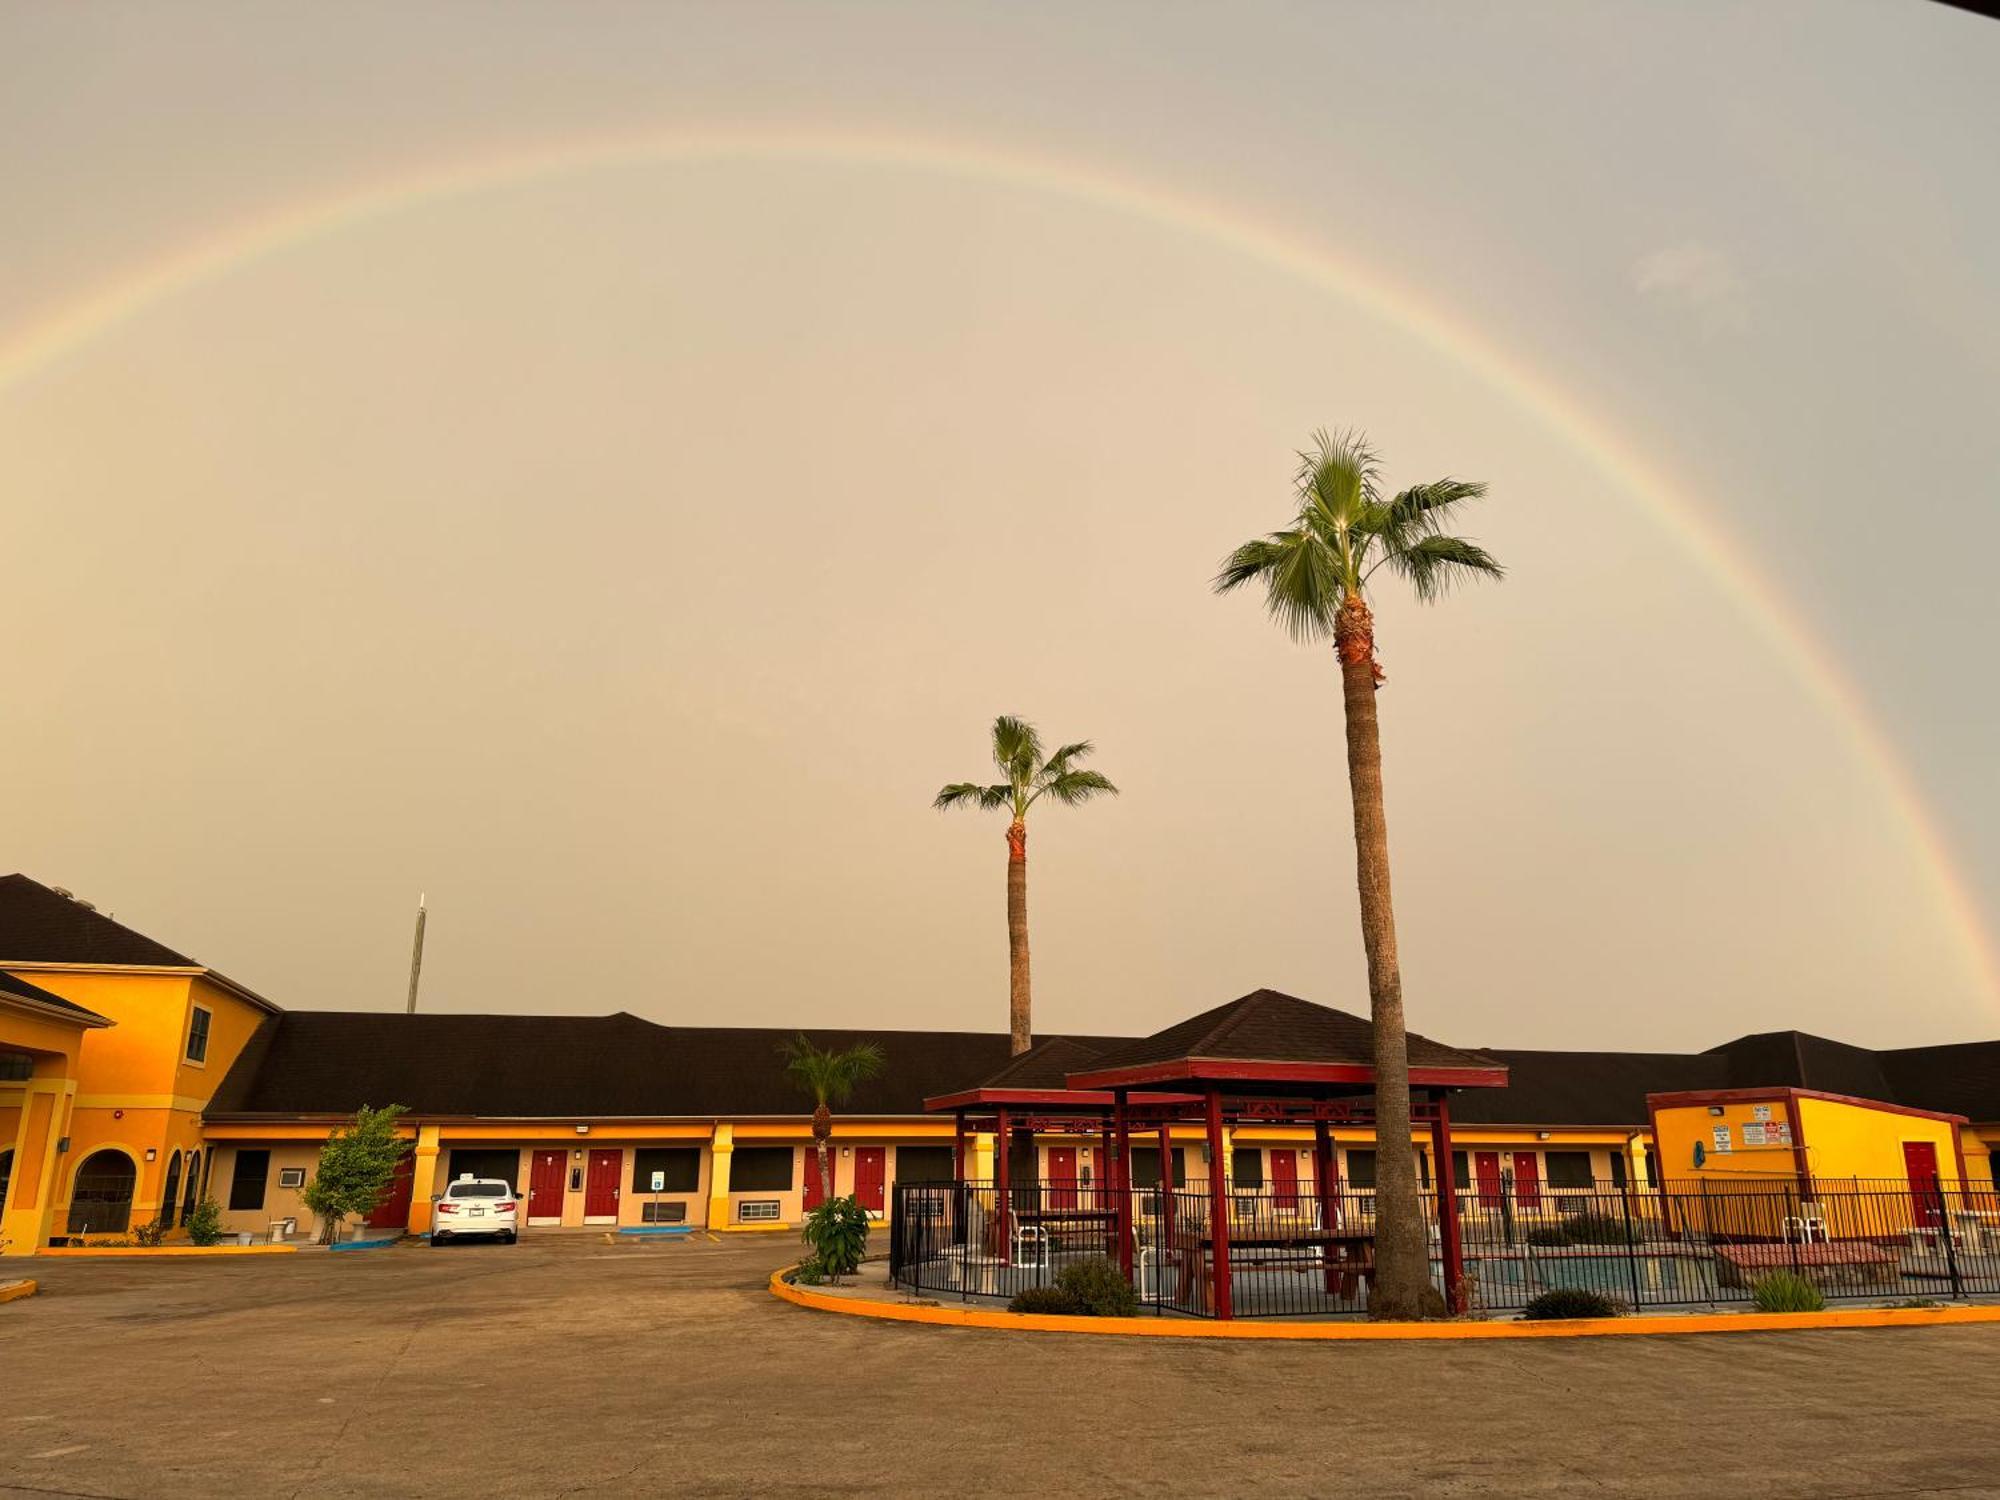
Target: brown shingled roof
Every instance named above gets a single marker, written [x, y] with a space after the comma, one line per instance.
[42, 926]
[1270, 1026]
[34, 994]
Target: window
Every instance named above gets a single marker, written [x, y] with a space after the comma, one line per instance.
[501, 1166]
[16, 1067]
[197, 1047]
[1246, 1167]
[1461, 1172]
[923, 1164]
[1570, 1169]
[761, 1169]
[6, 1171]
[291, 1177]
[101, 1201]
[246, 1187]
[679, 1165]
[1361, 1169]
[663, 1213]
[1146, 1167]
[478, 1190]
[757, 1211]
[1618, 1169]
[192, 1194]
[170, 1194]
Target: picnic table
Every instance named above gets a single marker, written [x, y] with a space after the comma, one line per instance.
[1347, 1257]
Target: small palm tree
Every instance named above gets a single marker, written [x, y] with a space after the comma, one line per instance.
[828, 1078]
[1316, 575]
[1017, 751]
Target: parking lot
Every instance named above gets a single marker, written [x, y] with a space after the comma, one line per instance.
[566, 1366]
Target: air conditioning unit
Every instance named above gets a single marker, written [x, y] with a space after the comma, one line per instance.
[757, 1211]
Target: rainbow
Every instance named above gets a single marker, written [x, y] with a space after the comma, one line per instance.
[45, 342]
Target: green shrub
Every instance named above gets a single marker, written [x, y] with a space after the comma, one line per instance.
[1047, 1299]
[1786, 1292]
[149, 1236]
[1597, 1229]
[809, 1273]
[1547, 1234]
[838, 1232]
[1099, 1287]
[204, 1225]
[1571, 1302]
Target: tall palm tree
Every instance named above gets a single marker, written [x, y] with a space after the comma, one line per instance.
[828, 1078]
[1316, 575]
[1017, 751]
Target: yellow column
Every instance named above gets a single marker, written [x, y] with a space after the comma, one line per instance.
[423, 1178]
[31, 1195]
[1635, 1162]
[979, 1156]
[721, 1147]
[1227, 1165]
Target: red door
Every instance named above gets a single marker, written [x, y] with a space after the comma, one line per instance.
[600, 1186]
[1486, 1168]
[871, 1174]
[1285, 1177]
[1062, 1177]
[1527, 1179]
[1926, 1191]
[814, 1197]
[393, 1212]
[545, 1188]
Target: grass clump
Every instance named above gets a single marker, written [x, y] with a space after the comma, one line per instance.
[1047, 1299]
[1786, 1292]
[1571, 1302]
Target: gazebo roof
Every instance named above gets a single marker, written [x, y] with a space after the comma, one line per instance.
[1273, 1038]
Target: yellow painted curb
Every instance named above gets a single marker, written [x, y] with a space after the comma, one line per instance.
[1554, 1328]
[14, 1291]
[129, 1251]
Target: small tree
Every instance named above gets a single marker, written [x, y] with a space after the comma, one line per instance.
[356, 1165]
[827, 1078]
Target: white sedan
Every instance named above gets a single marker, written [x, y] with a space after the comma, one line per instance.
[473, 1206]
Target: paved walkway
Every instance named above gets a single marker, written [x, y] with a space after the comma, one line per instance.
[564, 1366]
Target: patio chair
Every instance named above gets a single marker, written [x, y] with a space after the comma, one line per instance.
[1023, 1237]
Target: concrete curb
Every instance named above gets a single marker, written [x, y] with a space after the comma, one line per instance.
[14, 1291]
[81, 1252]
[1191, 1328]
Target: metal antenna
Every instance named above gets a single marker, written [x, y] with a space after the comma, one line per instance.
[416, 957]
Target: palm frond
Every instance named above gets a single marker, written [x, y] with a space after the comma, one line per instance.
[1434, 564]
[1338, 476]
[828, 1077]
[1056, 764]
[1017, 748]
[971, 794]
[1302, 578]
[1073, 788]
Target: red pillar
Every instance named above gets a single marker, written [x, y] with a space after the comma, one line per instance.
[1323, 1191]
[1122, 1181]
[1107, 1175]
[1003, 1204]
[1447, 1209]
[1218, 1206]
[1166, 1190]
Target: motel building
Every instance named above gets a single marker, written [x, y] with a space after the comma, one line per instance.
[134, 1081]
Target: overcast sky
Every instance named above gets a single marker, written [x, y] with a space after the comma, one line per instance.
[624, 555]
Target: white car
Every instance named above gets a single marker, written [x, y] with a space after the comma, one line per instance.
[476, 1205]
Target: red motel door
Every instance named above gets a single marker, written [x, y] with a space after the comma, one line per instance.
[1062, 1177]
[545, 1187]
[814, 1197]
[1486, 1168]
[393, 1212]
[871, 1174]
[1926, 1191]
[600, 1185]
[1527, 1179]
[1285, 1177]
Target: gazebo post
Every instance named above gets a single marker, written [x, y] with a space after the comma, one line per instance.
[1166, 1191]
[1447, 1206]
[1218, 1206]
[1121, 1207]
[1323, 1191]
[958, 1144]
[1107, 1175]
[1003, 1132]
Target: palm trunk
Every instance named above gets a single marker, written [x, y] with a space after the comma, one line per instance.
[1020, 1022]
[1402, 1248]
[822, 1133]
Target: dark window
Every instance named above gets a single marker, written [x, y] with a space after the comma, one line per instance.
[1570, 1169]
[16, 1067]
[761, 1169]
[1461, 1173]
[1618, 1169]
[1146, 1167]
[1423, 1169]
[6, 1171]
[1246, 1167]
[923, 1164]
[681, 1164]
[478, 1190]
[1992, 1165]
[246, 1188]
[101, 1202]
[198, 1036]
[192, 1194]
[170, 1194]
[502, 1166]
[1361, 1169]
[1023, 1164]
[1653, 1168]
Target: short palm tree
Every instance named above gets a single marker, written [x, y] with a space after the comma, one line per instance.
[1316, 575]
[1017, 751]
[828, 1078]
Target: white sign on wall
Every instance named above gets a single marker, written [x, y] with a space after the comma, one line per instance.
[1721, 1134]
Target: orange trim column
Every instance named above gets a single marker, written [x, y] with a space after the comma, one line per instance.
[423, 1178]
[31, 1194]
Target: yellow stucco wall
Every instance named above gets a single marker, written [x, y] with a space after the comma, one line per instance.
[1680, 1127]
[1850, 1140]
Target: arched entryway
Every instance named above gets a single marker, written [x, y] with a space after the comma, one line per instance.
[101, 1201]
[191, 1194]
[6, 1173]
[170, 1195]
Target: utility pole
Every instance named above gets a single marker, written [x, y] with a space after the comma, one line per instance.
[416, 957]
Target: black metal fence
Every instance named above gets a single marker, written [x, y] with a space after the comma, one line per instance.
[1296, 1253]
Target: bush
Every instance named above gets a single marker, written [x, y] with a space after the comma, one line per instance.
[1099, 1287]
[1598, 1229]
[1786, 1292]
[1571, 1302]
[1048, 1299]
[149, 1236]
[1547, 1234]
[809, 1273]
[204, 1225]
[837, 1230]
